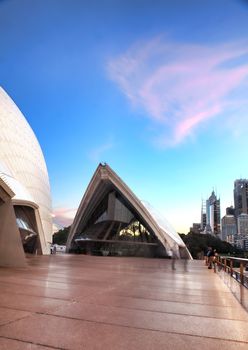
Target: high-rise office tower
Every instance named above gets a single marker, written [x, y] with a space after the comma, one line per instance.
[229, 228]
[240, 194]
[242, 223]
[213, 213]
[203, 216]
[242, 236]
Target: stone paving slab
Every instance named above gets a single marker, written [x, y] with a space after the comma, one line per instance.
[63, 333]
[10, 344]
[44, 292]
[181, 308]
[29, 303]
[84, 302]
[164, 322]
[9, 315]
[217, 300]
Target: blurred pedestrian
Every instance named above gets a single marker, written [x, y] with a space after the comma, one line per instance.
[210, 255]
[206, 255]
[174, 255]
[184, 257]
[54, 249]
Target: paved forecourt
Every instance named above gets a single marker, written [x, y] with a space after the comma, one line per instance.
[86, 302]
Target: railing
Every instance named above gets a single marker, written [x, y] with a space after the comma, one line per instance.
[235, 267]
[233, 272]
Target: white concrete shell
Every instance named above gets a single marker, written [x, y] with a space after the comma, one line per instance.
[11, 249]
[105, 178]
[23, 168]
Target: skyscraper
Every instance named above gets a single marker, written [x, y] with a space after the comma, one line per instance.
[213, 213]
[203, 216]
[242, 221]
[240, 194]
[242, 236]
[229, 228]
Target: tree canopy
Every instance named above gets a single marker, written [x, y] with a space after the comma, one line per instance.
[195, 242]
[61, 236]
[198, 243]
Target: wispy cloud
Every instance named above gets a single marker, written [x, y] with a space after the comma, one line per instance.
[180, 86]
[97, 153]
[64, 216]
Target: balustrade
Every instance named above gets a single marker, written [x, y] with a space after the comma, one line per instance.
[235, 267]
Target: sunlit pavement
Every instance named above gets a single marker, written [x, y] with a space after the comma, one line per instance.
[86, 302]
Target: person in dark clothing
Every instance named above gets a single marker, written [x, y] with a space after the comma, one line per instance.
[210, 255]
[206, 255]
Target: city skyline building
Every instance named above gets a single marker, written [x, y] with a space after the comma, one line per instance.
[203, 215]
[213, 213]
[242, 224]
[240, 195]
[241, 240]
[195, 228]
[228, 228]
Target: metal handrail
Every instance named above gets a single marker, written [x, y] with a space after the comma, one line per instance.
[227, 264]
[233, 258]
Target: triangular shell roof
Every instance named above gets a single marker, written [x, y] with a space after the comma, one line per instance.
[105, 178]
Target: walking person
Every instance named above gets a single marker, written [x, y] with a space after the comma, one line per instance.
[184, 257]
[210, 255]
[174, 256]
[206, 255]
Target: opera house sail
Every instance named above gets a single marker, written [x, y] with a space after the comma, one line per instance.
[112, 221]
[23, 171]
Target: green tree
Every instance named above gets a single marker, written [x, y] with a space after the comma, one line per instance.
[61, 236]
[198, 243]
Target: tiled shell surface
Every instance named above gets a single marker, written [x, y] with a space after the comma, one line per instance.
[21, 158]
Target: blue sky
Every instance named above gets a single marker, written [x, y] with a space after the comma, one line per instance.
[157, 89]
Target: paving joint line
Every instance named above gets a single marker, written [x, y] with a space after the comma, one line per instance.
[30, 342]
[167, 312]
[151, 329]
[172, 301]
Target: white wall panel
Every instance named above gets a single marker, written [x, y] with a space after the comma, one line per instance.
[21, 158]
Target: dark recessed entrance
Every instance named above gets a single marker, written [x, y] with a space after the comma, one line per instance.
[115, 229]
[26, 222]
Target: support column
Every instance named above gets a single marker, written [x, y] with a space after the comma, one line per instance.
[11, 249]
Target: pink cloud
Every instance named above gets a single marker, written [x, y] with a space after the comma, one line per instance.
[64, 216]
[180, 87]
[189, 123]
